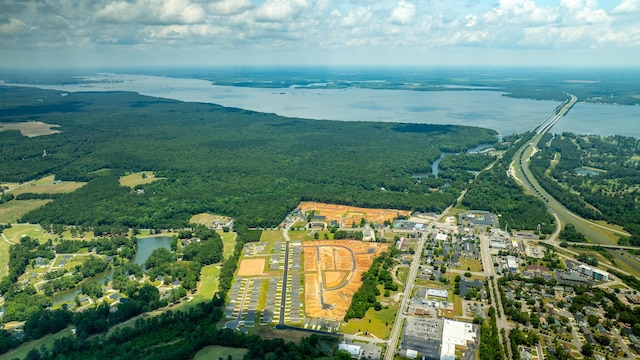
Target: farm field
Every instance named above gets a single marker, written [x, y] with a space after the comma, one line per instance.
[332, 274]
[345, 215]
[31, 128]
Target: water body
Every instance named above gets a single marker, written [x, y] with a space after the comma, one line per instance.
[436, 164]
[147, 245]
[145, 248]
[601, 119]
[487, 109]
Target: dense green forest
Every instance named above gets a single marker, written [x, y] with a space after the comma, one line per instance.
[255, 167]
[493, 190]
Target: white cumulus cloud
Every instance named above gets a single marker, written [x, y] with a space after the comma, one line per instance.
[280, 10]
[627, 7]
[154, 12]
[403, 13]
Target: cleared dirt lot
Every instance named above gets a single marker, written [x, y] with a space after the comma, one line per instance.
[348, 214]
[331, 282]
[251, 267]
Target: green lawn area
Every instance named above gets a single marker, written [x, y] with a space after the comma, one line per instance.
[134, 179]
[378, 323]
[21, 351]
[34, 231]
[300, 235]
[13, 210]
[208, 284]
[47, 185]
[229, 242]
[472, 265]
[215, 352]
[403, 274]
[4, 258]
[272, 236]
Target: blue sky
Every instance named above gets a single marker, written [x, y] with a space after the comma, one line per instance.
[108, 33]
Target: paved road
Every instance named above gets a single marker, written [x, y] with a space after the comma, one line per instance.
[400, 316]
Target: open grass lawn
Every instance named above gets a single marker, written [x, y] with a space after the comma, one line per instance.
[13, 210]
[215, 352]
[610, 235]
[48, 185]
[134, 179]
[403, 274]
[300, 235]
[229, 243]
[626, 261]
[21, 351]
[33, 231]
[201, 219]
[208, 284]
[88, 235]
[472, 265]
[272, 236]
[378, 323]
[4, 258]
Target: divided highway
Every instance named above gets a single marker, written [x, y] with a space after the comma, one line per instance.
[522, 173]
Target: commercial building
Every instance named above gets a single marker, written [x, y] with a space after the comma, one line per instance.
[456, 335]
[512, 263]
[594, 273]
[424, 336]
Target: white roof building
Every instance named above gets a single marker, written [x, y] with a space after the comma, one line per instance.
[441, 237]
[354, 350]
[438, 293]
[455, 333]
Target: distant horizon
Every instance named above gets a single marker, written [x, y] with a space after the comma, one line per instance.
[513, 67]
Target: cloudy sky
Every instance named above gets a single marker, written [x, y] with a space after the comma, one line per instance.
[99, 33]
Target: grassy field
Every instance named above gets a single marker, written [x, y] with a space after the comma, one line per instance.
[610, 235]
[472, 265]
[4, 258]
[134, 179]
[208, 284]
[13, 210]
[33, 231]
[215, 352]
[202, 219]
[21, 351]
[378, 323]
[48, 185]
[272, 236]
[229, 243]
[403, 274]
[301, 235]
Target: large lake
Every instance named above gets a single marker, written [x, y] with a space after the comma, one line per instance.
[488, 109]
